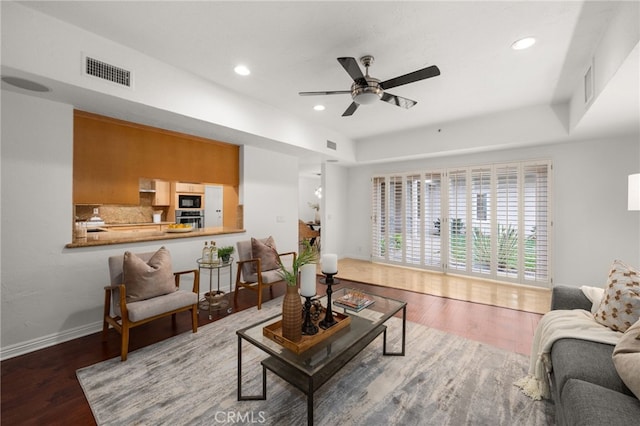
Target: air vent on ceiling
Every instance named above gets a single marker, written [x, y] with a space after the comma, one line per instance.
[105, 71]
[332, 145]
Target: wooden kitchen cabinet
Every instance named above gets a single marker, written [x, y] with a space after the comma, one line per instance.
[189, 187]
[162, 196]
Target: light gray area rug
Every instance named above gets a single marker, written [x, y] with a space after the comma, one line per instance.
[191, 379]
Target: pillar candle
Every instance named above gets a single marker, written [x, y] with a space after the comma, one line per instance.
[308, 280]
[330, 263]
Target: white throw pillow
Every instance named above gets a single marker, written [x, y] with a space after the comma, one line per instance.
[594, 294]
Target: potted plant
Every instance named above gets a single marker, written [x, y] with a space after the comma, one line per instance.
[292, 305]
[224, 253]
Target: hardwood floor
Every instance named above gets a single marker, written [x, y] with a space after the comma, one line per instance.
[41, 387]
[524, 298]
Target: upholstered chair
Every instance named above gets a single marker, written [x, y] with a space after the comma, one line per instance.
[258, 266]
[144, 288]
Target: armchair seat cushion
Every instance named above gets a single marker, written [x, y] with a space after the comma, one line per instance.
[267, 277]
[148, 308]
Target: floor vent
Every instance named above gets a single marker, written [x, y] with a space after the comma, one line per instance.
[332, 145]
[105, 71]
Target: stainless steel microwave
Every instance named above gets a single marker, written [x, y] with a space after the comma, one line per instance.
[190, 201]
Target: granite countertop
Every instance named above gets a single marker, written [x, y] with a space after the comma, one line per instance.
[123, 237]
[115, 225]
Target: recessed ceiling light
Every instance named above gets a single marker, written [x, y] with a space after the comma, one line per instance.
[523, 43]
[242, 70]
[319, 108]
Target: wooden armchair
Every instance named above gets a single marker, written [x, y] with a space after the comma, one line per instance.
[124, 311]
[258, 270]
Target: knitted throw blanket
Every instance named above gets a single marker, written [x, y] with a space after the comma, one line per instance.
[554, 325]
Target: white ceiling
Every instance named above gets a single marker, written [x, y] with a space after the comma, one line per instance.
[293, 46]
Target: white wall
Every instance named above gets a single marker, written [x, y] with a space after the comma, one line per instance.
[306, 194]
[51, 294]
[335, 208]
[592, 224]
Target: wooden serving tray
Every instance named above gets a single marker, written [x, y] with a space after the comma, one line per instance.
[274, 332]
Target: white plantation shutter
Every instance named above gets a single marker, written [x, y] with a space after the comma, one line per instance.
[413, 220]
[536, 222]
[432, 208]
[481, 218]
[378, 218]
[394, 238]
[457, 223]
[507, 220]
[492, 221]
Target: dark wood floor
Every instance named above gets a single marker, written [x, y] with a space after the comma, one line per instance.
[41, 387]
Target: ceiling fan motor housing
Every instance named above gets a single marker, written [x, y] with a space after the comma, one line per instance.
[368, 94]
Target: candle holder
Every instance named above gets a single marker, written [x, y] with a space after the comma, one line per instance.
[308, 327]
[328, 320]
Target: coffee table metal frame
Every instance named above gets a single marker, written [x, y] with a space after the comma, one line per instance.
[314, 367]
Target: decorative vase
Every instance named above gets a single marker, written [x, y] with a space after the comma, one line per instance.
[317, 216]
[292, 315]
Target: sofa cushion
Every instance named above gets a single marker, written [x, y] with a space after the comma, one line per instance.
[626, 358]
[586, 403]
[620, 305]
[144, 280]
[266, 251]
[584, 360]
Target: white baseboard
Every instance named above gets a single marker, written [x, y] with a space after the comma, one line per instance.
[49, 340]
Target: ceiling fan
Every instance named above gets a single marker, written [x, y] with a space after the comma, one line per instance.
[367, 90]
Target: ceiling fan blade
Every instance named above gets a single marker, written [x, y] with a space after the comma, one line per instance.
[351, 66]
[428, 72]
[352, 108]
[398, 100]
[333, 92]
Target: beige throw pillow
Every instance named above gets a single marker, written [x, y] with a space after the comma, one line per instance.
[144, 280]
[626, 358]
[620, 305]
[266, 251]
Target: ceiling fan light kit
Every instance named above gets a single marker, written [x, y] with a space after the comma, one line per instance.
[367, 90]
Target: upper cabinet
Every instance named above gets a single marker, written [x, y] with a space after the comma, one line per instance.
[162, 194]
[196, 188]
[109, 157]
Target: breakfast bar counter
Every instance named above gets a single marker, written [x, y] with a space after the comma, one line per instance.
[122, 237]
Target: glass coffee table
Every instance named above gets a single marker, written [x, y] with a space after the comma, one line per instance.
[309, 370]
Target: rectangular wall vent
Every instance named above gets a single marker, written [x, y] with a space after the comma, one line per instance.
[588, 84]
[107, 71]
[332, 145]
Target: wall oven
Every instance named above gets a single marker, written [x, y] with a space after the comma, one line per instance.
[194, 218]
[189, 201]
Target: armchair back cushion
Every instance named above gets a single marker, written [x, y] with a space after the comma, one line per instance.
[268, 256]
[266, 251]
[145, 276]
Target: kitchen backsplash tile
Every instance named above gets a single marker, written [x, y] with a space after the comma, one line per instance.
[115, 214]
